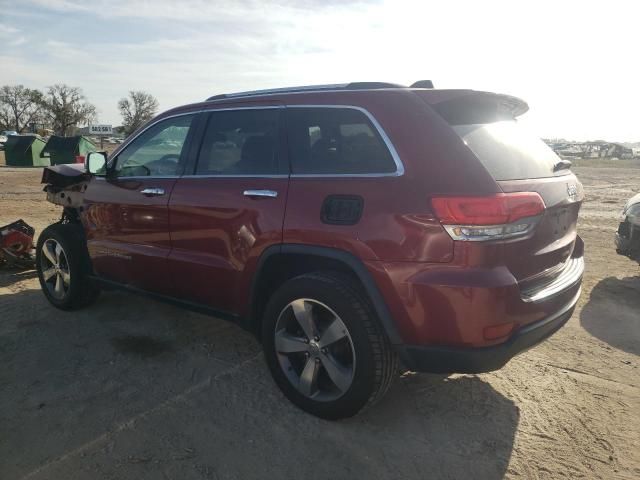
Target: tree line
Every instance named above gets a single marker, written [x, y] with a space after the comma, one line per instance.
[63, 109]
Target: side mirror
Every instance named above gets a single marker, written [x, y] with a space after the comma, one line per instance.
[96, 163]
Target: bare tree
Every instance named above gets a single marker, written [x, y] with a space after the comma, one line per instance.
[19, 106]
[137, 110]
[66, 107]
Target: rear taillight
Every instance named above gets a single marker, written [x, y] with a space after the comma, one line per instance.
[494, 217]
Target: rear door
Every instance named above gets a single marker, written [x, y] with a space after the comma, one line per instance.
[229, 207]
[126, 215]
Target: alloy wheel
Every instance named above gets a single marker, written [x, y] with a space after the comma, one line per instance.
[315, 350]
[55, 269]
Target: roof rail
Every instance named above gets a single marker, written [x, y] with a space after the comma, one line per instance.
[310, 88]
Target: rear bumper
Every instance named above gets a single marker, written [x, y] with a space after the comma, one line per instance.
[440, 359]
[465, 307]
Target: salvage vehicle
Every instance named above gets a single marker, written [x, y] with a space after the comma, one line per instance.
[351, 227]
[628, 234]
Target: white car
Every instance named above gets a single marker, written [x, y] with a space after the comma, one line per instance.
[4, 136]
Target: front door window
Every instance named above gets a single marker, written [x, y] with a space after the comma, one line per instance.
[157, 151]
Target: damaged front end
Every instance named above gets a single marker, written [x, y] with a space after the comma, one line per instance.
[65, 185]
[628, 234]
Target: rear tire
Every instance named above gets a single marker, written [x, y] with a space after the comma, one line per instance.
[63, 266]
[347, 365]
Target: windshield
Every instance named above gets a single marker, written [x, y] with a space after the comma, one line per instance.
[508, 151]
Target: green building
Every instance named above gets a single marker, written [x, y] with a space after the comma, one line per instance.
[25, 151]
[65, 149]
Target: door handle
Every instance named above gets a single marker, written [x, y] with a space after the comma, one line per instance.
[152, 192]
[261, 193]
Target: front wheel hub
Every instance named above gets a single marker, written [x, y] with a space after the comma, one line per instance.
[315, 350]
[55, 269]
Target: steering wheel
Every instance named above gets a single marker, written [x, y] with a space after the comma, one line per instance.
[131, 170]
[169, 156]
[165, 165]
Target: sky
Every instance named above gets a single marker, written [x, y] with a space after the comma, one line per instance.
[575, 62]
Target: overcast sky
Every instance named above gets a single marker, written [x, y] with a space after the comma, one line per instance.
[575, 63]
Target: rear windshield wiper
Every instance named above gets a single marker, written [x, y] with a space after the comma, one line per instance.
[562, 165]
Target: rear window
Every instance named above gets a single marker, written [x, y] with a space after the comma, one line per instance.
[335, 141]
[508, 151]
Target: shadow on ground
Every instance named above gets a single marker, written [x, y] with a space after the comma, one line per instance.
[10, 276]
[613, 313]
[132, 388]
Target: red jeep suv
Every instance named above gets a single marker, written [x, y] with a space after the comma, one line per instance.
[351, 227]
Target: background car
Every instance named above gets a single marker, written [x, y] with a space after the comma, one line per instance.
[628, 234]
[4, 135]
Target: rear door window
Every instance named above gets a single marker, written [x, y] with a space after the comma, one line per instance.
[508, 151]
[240, 142]
[335, 141]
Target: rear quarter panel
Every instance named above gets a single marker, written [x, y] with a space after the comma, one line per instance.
[397, 223]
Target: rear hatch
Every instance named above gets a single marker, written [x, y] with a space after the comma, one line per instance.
[519, 162]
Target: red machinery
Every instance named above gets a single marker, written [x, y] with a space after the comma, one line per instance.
[16, 244]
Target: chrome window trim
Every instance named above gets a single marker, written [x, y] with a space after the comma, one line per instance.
[385, 138]
[246, 175]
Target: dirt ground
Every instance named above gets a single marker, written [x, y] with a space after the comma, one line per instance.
[135, 389]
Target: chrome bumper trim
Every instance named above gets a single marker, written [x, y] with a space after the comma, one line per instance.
[569, 277]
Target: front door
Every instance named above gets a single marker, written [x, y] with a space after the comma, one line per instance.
[229, 208]
[126, 214]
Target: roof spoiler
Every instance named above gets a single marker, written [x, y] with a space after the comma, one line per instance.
[463, 107]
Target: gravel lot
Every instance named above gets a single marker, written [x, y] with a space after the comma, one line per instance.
[135, 389]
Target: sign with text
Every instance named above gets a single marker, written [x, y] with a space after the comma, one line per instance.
[100, 130]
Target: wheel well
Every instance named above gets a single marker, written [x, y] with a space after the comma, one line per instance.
[280, 267]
